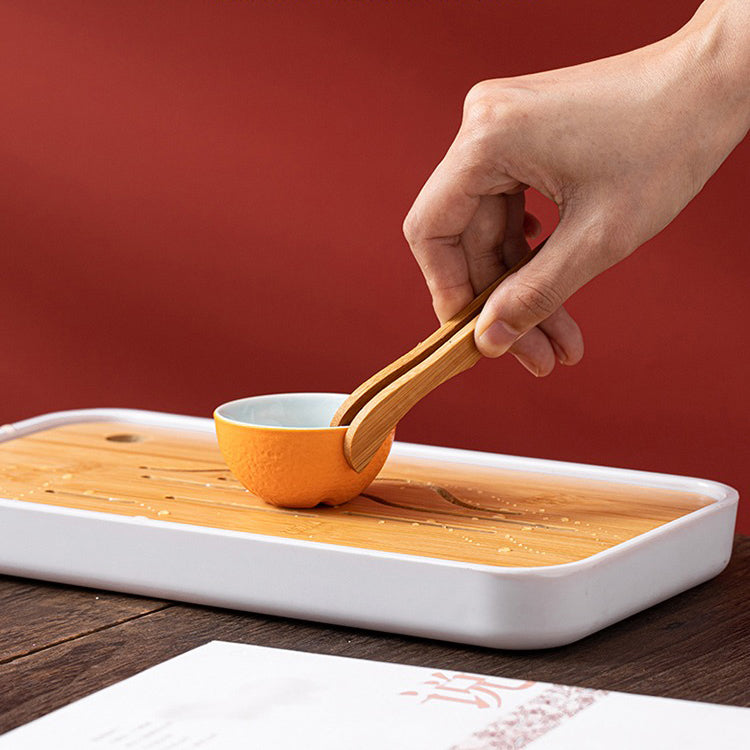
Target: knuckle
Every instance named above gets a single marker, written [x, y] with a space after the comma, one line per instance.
[487, 256]
[537, 299]
[478, 93]
[483, 109]
[480, 98]
[490, 106]
[410, 226]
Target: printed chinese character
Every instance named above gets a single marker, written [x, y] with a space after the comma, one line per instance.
[465, 688]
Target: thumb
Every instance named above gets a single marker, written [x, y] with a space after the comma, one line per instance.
[569, 259]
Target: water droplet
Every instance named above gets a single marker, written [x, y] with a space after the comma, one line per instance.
[163, 513]
[564, 519]
[503, 549]
[381, 521]
[526, 528]
[415, 524]
[67, 476]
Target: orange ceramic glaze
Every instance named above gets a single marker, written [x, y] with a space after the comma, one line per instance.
[295, 468]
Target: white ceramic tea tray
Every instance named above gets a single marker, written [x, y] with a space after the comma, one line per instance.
[479, 548]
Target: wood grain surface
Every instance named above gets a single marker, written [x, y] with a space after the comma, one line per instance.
[695, 646]
[436, 509]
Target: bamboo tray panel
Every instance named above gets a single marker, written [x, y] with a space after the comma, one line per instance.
[422, 507]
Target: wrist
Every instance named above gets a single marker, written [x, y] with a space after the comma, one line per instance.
[717, 42]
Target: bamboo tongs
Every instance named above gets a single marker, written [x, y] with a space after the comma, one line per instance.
[375, 407]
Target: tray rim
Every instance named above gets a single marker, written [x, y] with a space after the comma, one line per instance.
[723, 494]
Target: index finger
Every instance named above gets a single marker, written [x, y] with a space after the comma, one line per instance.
[436, 222]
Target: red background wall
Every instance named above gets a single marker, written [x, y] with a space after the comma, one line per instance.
[202, 200]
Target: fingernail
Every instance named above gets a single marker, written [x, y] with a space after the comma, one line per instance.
[528, 364]
[497, 338]
[562, 357]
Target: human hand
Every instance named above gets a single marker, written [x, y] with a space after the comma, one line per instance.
[621, 145]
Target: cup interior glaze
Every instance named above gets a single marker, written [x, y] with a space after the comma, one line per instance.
[282, 449]
[291, 411]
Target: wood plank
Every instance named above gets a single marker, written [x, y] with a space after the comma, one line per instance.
[451, 510]
[696, 646]
[36, 615]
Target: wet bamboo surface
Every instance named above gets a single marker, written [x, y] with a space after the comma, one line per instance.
[450, 510]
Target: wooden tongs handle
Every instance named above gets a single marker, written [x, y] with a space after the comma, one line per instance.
[376, 406]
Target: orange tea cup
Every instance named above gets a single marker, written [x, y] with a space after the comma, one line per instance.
[283, 450]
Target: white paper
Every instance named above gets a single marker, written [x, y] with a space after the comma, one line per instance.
[225, 696]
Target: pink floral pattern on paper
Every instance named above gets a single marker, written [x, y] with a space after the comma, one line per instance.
[532, 720]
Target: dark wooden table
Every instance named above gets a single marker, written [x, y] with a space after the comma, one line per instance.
[59, 643]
